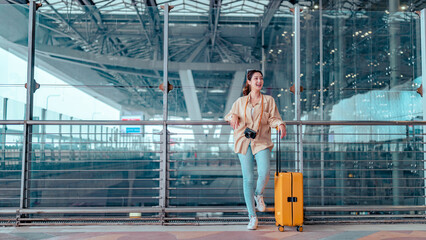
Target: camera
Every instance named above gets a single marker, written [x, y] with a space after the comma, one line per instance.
[249, 133]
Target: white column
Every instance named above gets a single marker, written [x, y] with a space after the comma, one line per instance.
[299, 164]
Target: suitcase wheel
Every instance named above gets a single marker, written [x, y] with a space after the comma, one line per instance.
[281, 228]
[300, 228]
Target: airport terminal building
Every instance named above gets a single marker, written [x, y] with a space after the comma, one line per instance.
[90, 134]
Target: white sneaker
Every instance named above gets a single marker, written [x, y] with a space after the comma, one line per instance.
[252, 224]
[260, 204]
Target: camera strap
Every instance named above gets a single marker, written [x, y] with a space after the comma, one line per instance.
[261, 113]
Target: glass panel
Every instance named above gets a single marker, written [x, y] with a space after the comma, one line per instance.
[11, 139]
[278, 49]
[279, 62]
[310, 65]
[13, 60]
[363, 166]
[13, 75]
[371, 66]
[371, 72]
[100, 67]
[204, 170]
[207, 71]
[95, 166]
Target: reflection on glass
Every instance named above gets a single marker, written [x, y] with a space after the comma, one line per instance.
[371, 72]
[93, 70]
[204, 169]
[13, 76]
[10, 164]
[94, 166]
[364, 166]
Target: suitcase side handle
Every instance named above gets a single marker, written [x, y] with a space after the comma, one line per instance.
[292, 199]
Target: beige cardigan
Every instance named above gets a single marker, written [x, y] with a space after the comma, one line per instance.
[271, 118]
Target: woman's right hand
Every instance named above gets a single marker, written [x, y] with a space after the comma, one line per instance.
[235, 121]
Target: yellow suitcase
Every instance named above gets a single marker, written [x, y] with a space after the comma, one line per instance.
[288, 197]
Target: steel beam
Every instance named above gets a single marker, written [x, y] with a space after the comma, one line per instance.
[90, 7]
[154, 20]
[141, 22]
[273, 6]
[92, 61]
[215, 6]
[66, 22]
[197, 51]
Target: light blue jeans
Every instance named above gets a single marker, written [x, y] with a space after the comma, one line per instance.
[247, 167]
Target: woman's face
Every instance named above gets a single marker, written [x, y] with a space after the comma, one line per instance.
[256, 82]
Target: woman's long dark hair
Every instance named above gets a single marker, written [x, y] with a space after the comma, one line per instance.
[247, 89]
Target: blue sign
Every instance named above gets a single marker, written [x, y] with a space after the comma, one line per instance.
[133, 129]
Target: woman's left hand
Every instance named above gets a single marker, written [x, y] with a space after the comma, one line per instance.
[282, 130]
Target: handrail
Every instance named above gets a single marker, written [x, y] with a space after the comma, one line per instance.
[174, 122]
[356, 208]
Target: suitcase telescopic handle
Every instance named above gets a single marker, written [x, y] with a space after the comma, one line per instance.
[278, 157]
[278, 153]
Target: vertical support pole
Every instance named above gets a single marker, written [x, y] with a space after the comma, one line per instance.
[299, 164]
[71, 137]
[3, 134]
[115, 138]
[423, 46]
[26, 156]
[106, 137]
[322, 137]
[102, 133]
[163, 165]
[80, 144]
[71, 143]
[60, 140]
[43, 135]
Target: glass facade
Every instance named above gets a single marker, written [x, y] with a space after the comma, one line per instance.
[98, 136]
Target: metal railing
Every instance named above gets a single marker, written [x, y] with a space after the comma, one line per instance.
[350, 172]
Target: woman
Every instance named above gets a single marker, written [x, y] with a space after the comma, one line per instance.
[252, 117]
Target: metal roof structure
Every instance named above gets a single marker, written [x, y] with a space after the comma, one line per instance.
[114, 48]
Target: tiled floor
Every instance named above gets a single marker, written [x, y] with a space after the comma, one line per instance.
[216, 232]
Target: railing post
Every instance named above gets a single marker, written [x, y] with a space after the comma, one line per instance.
[164, 137]
[26, 156]
[423, 46]
[60, 139]
[3, 135]
[299, 158]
